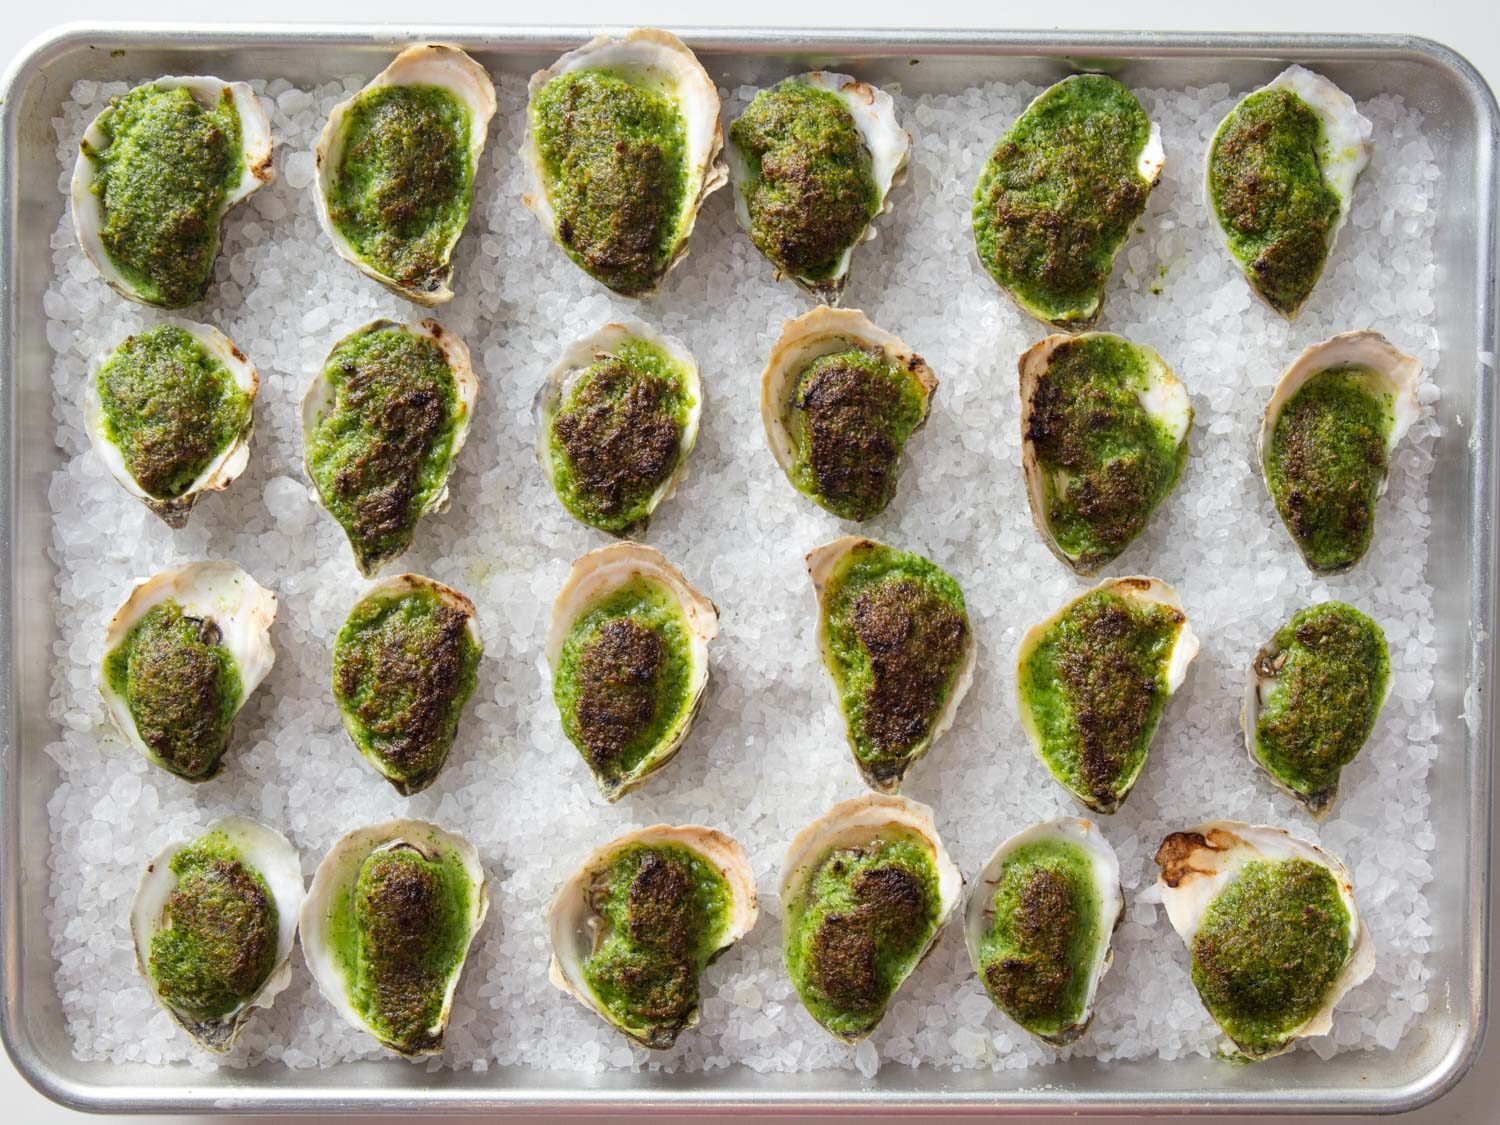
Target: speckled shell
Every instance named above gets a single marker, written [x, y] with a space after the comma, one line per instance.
[429, 64]
[573, 928]
[270, 854]
[256, 170]
[1194, 871]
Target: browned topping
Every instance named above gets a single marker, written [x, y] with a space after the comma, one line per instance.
[844, 959]
[176, 693]
[847, 415]
[1034, 986]
[662, 910]
[617, 677]
[401, 906]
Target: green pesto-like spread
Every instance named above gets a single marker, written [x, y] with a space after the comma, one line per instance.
[217, 941]
[613, 151]
[1037, 953]
[1106, 463]
[1268, 949]
[181, 686]
[170, 407]
[623, 683]
[1094, 688]
[380, 454]
[1324, 677]
[403, 668]
[399, 934]
[401, 189]
[851, 414]
[1327, 462]
[810, 190]
[896, 632]
[162, 181]
[663, 909]
[1266, 186]
[858, 927]
[1059, 195]
[617, 436]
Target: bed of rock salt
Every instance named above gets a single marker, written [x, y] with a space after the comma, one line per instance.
[767, 754]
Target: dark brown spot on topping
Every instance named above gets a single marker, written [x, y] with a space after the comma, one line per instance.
[846, 415]
[662, 911]
[617, 677]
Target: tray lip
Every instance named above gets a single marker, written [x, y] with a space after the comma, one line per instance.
[565, 1095]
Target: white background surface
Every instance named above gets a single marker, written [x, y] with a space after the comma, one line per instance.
[1470, 26]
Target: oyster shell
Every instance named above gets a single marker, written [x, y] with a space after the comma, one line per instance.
[258, 869]
[580, 931]
[418, 264]
[872, 115]
[1318, 669]
[653, 362]
[89, 204]
[403, 668]
[881, 940]
[888, 408]
[929, 667]
[1368, 362]
[196, 614]
[353, 935]
[1336, 150]
[228, 462]
[662, 619]
[1101, 766]
[1064, 864]
[1200, 865]
[658, 70]
[377, 545]
[1050, 486]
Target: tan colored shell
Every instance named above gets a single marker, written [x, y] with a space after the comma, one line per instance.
[1399, 374]
[220, 592]
[428, 64]
[816, 333]
[574, 928]
[273, 857]
[822, 565]
[219, 473]
[1184, 649]
[1084, 834]
[664, 60]
[582, 354]
[595, 577]
[1166, 401]
[255, 168]
[319, 400]
[889, 145]
[1196, 864]
[859, 821]
[333, 886]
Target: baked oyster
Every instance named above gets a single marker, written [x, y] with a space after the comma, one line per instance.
[622, 147]
[839, 399]
[382, 424]
[1312, 696]
[1060, 194]
[1104, 425]
[813, 160]
[170, 411]
[865, 891]
[1093, 680]
[1039, 925]
[1280, 178]
[387, 925]
[213, 923]
[156, 173]
[633, 928]
[894, 635]
[628, 649]
[616, 419]
[1272, 928]
[404, 665]
[396, 166]
[181, 656]
[1325, 444]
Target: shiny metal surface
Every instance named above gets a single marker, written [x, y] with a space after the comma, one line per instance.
[1462, 114]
